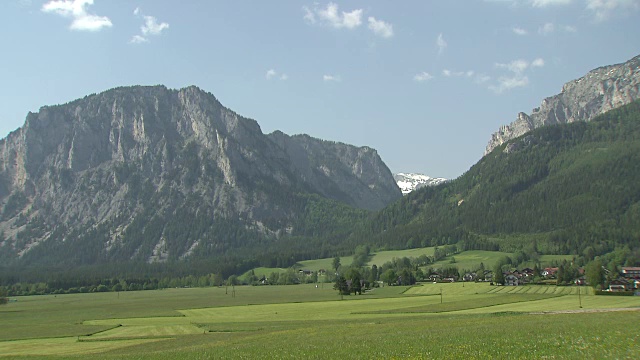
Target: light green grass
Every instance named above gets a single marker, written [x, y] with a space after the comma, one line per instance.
[382, 257]
[471, 259]
[313, 265]
[326, 264]
[302, 321]
[548, 260]
[263, 271]
[62, 315]
[63, 347]
[471, 288]
[573, 336]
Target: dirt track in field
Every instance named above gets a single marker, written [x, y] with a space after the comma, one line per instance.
[579, 311]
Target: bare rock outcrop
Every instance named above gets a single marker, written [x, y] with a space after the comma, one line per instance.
[597, 92]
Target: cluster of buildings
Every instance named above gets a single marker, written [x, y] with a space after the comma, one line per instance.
[628, 280]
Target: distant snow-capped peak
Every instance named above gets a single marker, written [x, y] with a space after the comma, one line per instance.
[407, 182]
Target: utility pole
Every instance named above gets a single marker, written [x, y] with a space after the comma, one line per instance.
[440, 295]
[579, 299]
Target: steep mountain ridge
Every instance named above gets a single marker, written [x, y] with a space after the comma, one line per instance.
[599, 91]
[122, 171]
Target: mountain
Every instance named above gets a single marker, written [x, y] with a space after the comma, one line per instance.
[408, 182]
[600, 90]
[563, 189]
[150, 174]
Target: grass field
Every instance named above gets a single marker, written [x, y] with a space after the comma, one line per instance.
[302, 321]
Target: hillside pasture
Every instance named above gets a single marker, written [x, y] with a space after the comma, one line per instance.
[381, 257]
[471, 259]
[326, 264]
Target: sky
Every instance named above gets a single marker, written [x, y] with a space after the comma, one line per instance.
[425, 83]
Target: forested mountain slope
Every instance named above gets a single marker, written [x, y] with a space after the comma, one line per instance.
[569, 186]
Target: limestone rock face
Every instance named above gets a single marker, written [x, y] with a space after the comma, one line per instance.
[331, 167]
[120, 165]
[599, 91]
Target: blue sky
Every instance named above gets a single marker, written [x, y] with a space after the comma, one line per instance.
[423, 82]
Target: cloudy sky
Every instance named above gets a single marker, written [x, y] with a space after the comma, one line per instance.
[423, 82]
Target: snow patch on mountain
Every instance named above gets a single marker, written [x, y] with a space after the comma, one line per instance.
[407, 182]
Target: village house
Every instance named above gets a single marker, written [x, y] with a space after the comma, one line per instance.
[511, 280]
[488, 275]
[549, 272]
[306, 272]
[470, 277]
[631, 272]
[617, 285]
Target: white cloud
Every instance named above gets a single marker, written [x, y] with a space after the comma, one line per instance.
[604, 9]
[331, 78]
[516, 66]
[423, 76]
[469, 74]
[449, 73]
[517, 78]
[533, 3]
[332, 17]
[380, 27]
[441, 43]
[539, 62]
[545, 3]
[482, 78]
[547, 29]
[507, 83]
[138, 39]
[309, 17]
[519, 31]
[550, 28]
[77, 11]
[151, 26]
[270, 74]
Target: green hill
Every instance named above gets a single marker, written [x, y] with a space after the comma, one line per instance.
[559, 189]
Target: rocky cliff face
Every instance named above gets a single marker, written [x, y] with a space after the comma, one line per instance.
[112, 171]
[599, 91]
[339, 171]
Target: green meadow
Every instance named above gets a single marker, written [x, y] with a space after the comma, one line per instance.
[471, 320]
[469, 259]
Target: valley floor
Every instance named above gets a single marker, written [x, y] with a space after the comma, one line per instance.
[304, 321]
